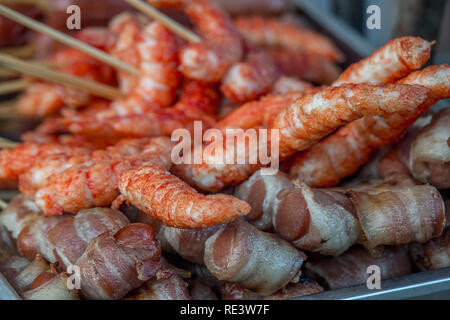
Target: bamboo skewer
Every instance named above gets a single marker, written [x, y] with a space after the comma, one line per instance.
[26, 51]
[7, 144]
[39, 3]
[13, 86]
[67, 40]
[8, 110]
[3, 204]
[46, 73]
[165, 20]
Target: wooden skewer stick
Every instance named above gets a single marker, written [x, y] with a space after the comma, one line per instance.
[8, 110]
[48, 74]
[13, 86]
[67, 40]
[3, 204]
[8, 73]
[7, 144]
[165, 20]
[26, 51]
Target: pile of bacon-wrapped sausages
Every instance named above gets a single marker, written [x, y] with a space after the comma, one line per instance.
[364, 178]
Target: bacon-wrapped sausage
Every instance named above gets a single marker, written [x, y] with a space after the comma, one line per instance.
[350, 268]
[36, 280]
[167, 285]
[399, 215]
[429, 155]
[133, 250]
[70, 237]
[330, 221]
[259, 261]
[304, 287]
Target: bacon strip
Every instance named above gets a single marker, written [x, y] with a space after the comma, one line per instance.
[399, 215]
[350, 268]
[330, 221]
[115, 264]
[257, 260]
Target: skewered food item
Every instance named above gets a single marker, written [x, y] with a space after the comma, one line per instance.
[350, 102]
[312, 219]
[350, 268]
[70, 237]
[304, 65]
[341, 154]
[159, 79]
[330, 221]
[94, 181]
[306, 121]
[207, 233]
[42, 99]
[135, 117]
[423, 153]
[429, 156]
[259, 261]
[271, 32]
[188, 243]
[259, 113]
[220, 48]
[14, 162]
[434, 254]
[285, 85]
[167, 198]
[393, 61]
[248, 80]
[57, 239]
[167, 285]
[127, 28]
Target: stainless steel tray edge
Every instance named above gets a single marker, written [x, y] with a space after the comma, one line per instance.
[417, 285]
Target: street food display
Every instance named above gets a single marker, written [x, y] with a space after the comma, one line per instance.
[101, 195]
